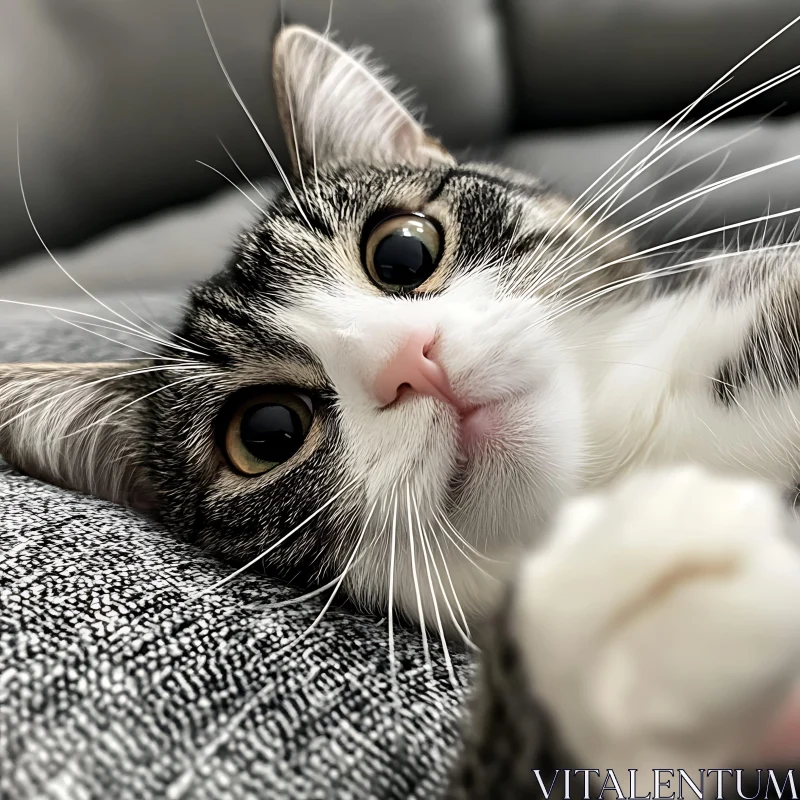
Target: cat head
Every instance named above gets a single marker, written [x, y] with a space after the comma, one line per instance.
[375, 384]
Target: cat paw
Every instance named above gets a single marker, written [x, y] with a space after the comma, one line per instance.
[660, 624]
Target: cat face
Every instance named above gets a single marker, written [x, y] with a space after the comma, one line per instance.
[374, 387]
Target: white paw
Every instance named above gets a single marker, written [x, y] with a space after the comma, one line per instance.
[661, 623]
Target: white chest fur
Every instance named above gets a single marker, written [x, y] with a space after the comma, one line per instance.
[648, 384]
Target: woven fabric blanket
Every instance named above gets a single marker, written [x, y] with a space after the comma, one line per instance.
[117, 680]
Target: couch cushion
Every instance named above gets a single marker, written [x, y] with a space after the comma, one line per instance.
[116, 101]
[591, 62]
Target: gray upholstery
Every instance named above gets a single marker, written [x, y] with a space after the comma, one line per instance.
[117, 100]
[578, 63]
[115, 103]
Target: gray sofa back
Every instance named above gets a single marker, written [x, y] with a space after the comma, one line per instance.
[116, 101]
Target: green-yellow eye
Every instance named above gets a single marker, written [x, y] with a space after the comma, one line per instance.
[267, 429]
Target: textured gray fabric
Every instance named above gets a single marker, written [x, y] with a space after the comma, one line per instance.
[115, 681]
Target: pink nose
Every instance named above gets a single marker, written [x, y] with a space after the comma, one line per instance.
[411, 368]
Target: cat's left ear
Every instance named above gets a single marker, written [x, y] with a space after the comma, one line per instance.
[77, 426]
[337, 109]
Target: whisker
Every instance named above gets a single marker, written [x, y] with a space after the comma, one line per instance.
[610, 209]
[235, 574]
[155, 326]
[464, 632]
[460, 538]
[138, 400]
[244, 108]
[82, 386]
[448, 661]
[662, 150]
[339, 582]
[675, 269]
[684, 136]
[320, 589]
[230, 725]
[665, 208]
[235, 163]
[450, 581]
[693, 237]
[232, 183]
[50, 252]
[88, 328]
[392, 660]
[420, 612]
[293, 126]
[122, 328]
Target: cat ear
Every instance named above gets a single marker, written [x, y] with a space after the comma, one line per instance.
[336, 109]
[76, 426]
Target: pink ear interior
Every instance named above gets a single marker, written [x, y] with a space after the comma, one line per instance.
[782, 742]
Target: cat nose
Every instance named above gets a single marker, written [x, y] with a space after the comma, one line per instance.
[413, 368]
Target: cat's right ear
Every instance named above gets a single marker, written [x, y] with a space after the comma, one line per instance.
[337, 109]
[76, 426]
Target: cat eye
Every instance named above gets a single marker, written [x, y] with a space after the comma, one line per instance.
[402, 251]
[266, 429]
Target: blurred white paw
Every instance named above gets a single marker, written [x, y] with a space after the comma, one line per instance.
[661, 623]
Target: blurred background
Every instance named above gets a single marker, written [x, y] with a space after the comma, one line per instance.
[116, 102]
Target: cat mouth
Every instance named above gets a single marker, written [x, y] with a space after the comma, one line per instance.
[486, 428]
[479, 427]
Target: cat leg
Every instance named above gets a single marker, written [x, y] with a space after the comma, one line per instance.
[659, 627]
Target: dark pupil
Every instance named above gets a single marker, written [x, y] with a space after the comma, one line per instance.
[402, 260]
[272, 432]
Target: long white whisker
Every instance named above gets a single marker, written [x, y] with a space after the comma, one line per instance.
[298, 161]
[156, 327]
[314, 592]
[337, 586]
[122, 328]
[464, 632]
[673, 269]
[88, 328]
[235, 185]
[665, 208]
[50, 252]
[244, 108]
[52, 398]
[138, 400]
[420, 612]
[460, 538]
[450, 581]
[659, 152]
[695, 236]
[392, 661]
[235, 574]
[608, 208]
[442, 637]
[250, 703]
[235, 163]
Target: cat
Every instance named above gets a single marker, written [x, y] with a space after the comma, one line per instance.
[467, 400]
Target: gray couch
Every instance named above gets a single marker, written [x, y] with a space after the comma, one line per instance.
[113, 680]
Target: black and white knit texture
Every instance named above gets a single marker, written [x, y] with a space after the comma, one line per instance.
[117, 680]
